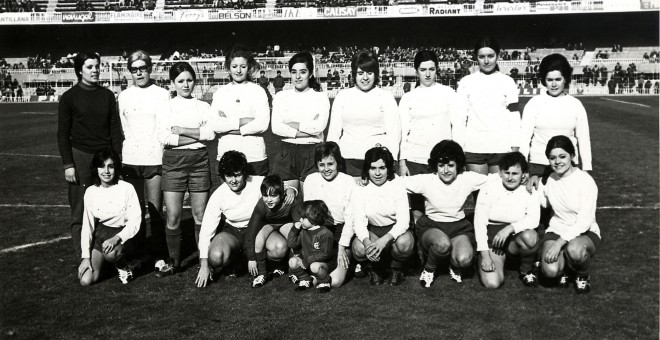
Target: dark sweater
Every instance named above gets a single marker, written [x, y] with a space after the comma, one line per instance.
[262, 215]
[88, 120]
[316, 244]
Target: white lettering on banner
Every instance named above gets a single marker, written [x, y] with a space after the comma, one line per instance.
[339, 12]
[234, 15]
[511, 8]
[445, 9]
[408, 10]
[289, 12]
[191, 15]
[79, 17]
[15, 17]
[547, 6]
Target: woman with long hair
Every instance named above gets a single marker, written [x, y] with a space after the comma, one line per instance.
[572, 236]
[299, 116]
[111, 220]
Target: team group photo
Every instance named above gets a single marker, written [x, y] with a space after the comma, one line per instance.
[481, 180]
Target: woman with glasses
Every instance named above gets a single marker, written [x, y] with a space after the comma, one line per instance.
[140, 108]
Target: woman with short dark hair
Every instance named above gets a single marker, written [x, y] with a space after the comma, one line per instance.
[186, 167]
[552, 113]
[443, 231]
[381, 219]
[87, 123]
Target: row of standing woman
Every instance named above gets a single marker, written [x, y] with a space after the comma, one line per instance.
[163, 149]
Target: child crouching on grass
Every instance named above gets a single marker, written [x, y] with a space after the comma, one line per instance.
[316, 243]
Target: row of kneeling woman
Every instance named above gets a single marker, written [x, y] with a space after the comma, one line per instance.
[163, 140]
[343, 229]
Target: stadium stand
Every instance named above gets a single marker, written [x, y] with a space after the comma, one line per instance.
[44, 76]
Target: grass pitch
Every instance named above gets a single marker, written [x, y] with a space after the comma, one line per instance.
[41, 298]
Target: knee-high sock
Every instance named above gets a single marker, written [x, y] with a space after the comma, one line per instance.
[261, 262]
[397, 261]
[581, 269]
[173, 238]
[527, 262]
[300, 273]
[433, 258]
[325, 278]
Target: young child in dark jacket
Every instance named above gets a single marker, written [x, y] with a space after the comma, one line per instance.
[316, 243]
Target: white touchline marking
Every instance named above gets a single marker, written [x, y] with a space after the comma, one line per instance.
[624, 102]
[20, 205]
[34, 205]
[27, 155]
[57, 239]
[29, 245]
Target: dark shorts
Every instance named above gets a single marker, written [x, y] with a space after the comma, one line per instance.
[483, 158]
[238, 233]
[336, 230]
[354, 167]
[294, 161]
[141, 171]
[186, 170]
[539, 170]
[259, 168]
[379, 231]
[417, 168]
[550, 236]
[493, 229]
[451, 229]
[102, 233]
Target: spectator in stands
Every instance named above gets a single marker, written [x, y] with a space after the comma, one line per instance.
[611, 86]
[278, 82]
[300, 115]
[244, 112]
[87, 123]
[493, 120]
[262, 80]
[554, 112]
[140, 107]
[364, 115]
